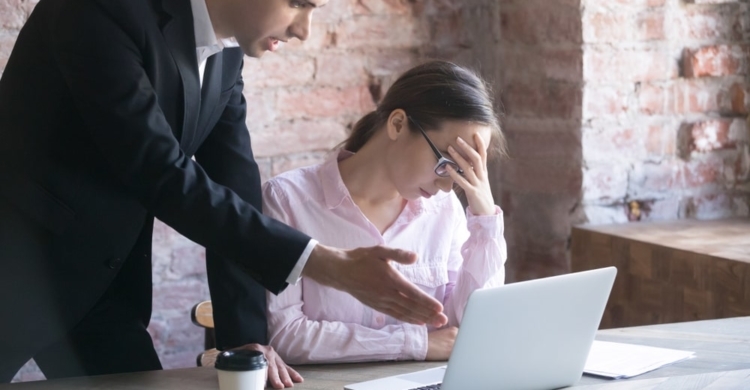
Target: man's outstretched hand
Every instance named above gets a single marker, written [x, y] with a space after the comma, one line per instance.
[366, 274]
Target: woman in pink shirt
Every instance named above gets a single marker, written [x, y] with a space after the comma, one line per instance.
[391, 184]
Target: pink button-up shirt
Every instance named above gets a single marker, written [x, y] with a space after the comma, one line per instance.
[311, 323]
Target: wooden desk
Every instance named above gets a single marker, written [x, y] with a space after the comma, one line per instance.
[722, 361]
[669, 271]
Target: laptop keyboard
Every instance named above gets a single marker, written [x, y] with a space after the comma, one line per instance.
[428, 387]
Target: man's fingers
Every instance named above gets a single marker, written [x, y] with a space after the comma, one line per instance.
[397, 309]
[414, 298]
[397, 255]
[296, 377]
[283, 374]
[273, 375]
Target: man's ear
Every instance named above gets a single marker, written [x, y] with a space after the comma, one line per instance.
[398, 124]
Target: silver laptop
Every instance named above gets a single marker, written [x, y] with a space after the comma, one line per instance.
[527, 335]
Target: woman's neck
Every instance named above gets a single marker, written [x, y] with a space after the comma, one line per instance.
[366, 177]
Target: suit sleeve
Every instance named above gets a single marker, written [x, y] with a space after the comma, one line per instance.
[239, 302]
[102, 66]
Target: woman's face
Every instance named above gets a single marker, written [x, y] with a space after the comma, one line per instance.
[411, 162]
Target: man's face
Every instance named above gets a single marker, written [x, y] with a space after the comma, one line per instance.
[260, 25]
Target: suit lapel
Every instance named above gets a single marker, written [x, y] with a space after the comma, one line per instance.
[180, 36]
[211, 89]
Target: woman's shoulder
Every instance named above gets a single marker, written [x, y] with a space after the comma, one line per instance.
[444, 203]
[295, 185]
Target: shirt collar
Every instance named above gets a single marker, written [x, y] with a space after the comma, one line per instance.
[205, 37]
[335, 191]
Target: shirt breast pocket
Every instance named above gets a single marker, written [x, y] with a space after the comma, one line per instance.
[428, 275]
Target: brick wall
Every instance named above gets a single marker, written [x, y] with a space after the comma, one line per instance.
[541, 84]
[664, 105]
[301, 103]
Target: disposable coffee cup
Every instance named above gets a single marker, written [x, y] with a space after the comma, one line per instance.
[241, 370]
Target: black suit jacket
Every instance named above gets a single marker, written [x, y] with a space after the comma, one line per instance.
[101, 112]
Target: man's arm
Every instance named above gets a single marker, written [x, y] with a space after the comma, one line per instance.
[103, 67]
[239, 302]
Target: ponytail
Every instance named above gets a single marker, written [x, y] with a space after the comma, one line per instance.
[362, 132]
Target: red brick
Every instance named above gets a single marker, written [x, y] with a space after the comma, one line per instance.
[704, 171]
[553, 176]
[188, 261]
[618, 64]
[607, 143]
[392, 62]
[261, 107]
[604, 183]
[717, 60]
[655, 180]
[449, 30]
[543, 99]
[711, 1]
[285, 163]
[722, 96]
[698, 96]
[278, 70]
[264, 166]
[183, 335]
[654, 98]
[540, 139]
[179, 295]
[12, 14]
[382, 7]
[650, 26]
[377, 31]
[738, 97]
[739, 131]
[605, 100]
[537, 22]
[336, 11]
[608, 25]
[551, 63]
[297, 136]
[324, 102]
[663, 209]
[717, 23]
[710, 135]
[712, 206]
[661, 141]
[7, 41]
[341, 69]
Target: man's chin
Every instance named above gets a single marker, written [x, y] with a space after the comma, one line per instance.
[254, 52]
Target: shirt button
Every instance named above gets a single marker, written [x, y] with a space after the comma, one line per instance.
[380, 320]
[114, 263]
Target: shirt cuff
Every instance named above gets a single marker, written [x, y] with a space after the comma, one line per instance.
[415, 342]
[296, 273]
[485, 226]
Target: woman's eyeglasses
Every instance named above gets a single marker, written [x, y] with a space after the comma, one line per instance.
[443, 162]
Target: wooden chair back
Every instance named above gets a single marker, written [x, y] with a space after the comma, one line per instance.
[202, 315]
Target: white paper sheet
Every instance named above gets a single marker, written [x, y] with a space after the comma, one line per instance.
[618, 360]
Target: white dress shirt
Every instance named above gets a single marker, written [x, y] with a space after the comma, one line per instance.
[207, 44]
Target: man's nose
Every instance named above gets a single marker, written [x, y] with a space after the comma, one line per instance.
[301, 27]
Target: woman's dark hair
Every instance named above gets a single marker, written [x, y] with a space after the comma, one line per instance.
[430, 94]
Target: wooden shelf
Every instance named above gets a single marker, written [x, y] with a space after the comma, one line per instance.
[669, 271]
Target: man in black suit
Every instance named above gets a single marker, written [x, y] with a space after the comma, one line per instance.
[113, 112]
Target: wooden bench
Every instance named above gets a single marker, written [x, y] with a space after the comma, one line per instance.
[673, 271]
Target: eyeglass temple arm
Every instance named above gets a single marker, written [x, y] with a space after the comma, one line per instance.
[432, 146]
